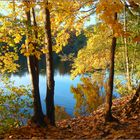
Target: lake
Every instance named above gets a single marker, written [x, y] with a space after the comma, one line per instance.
[63, 83]
[63, 97]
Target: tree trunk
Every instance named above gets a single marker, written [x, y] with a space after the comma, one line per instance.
[108, 113]
[133, 106]
[35, 24]
[33, 69]
[49, 68]
[126, 53]
[136, 96]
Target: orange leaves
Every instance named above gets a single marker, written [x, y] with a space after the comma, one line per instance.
[106, 10]
[108, 7]
[117, 28]
[137, 39]
[44, 50]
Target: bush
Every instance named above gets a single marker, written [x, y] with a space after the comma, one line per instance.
[15, 104]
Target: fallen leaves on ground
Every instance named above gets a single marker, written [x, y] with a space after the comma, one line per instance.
[87, 127]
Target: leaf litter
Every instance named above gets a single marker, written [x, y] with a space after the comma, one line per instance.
[88, 127]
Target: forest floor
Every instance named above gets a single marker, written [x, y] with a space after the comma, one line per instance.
[89, 127]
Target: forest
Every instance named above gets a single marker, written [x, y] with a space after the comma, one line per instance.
[70, 69]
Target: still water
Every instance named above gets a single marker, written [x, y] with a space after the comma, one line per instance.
[63, 82]
[63, 96]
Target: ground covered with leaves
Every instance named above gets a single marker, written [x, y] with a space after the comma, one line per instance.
[92, 126]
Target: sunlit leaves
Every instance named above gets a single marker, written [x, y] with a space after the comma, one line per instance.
[17, 38]
[61, 41]
[30, 49]
[106, 10]
[44, 50]
[96, 54]
[7, 62]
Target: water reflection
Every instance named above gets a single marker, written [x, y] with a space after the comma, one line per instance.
[74, 97]
[88, 94]
[63, 96]
[59, 66]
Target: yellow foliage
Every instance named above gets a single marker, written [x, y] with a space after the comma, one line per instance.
[61, 41]
[44, 50]
[7, 62]
[17, 38]
[26, 54]
[95, 55]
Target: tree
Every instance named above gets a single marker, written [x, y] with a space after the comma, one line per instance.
[108, 114]
[109, 17]
[33, 69]
[126, 52]
[136, 96]
[128, 49]
[49, 66]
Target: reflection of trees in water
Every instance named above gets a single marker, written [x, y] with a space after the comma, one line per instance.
[89, 94]
[59, 66]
